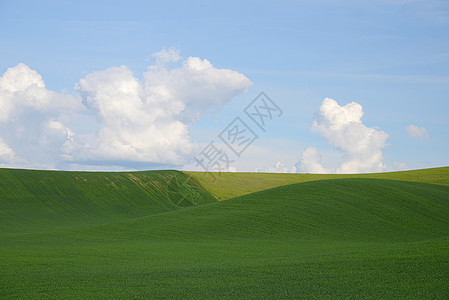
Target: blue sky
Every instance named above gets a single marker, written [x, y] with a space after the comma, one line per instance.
[391, 58]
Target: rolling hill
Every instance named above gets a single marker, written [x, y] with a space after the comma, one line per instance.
[227, 185]
[33, 200]
[334, 238]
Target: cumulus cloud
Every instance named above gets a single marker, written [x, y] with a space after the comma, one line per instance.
[147, 121]
[193, 88]
[417, 132]
[28, 114]
[131, 120]
[343, 129]
[22, 90]
[310, 162]
[131, 125]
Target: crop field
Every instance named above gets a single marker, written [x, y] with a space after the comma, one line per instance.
[164, 234]
[232, 184]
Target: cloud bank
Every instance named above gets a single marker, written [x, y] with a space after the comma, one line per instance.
[131, 120]
[342, 127]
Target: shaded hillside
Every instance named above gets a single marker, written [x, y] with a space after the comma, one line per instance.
[33, 200]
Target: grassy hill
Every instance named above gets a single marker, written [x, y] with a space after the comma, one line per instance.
[339, 238]
[228, 185]
[47, 200]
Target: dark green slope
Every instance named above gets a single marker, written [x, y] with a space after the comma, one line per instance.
[344, 238]
[33, 200]
[340, 209]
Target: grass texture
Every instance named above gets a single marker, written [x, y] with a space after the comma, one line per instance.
[335, 238]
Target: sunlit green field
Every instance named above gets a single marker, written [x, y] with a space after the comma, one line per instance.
[160, 235]
[229, 185]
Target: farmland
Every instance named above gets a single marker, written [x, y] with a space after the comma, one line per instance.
[161, 234]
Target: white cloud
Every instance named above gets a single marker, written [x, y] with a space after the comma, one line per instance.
[343, 128]
[23, 90]
[148, 121]
[280, 167]
[310, 162]
[165, 56]
[30, 116]
[6, 153]
[192, 89]
[129, 120]
[131, 127]
[417, 132]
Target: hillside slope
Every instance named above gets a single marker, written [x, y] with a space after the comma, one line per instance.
[340, 209]
[228, 185]
[344, 238]
[32, 200]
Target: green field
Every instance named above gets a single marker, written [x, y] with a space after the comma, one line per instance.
[229, 185]
[160, 234]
